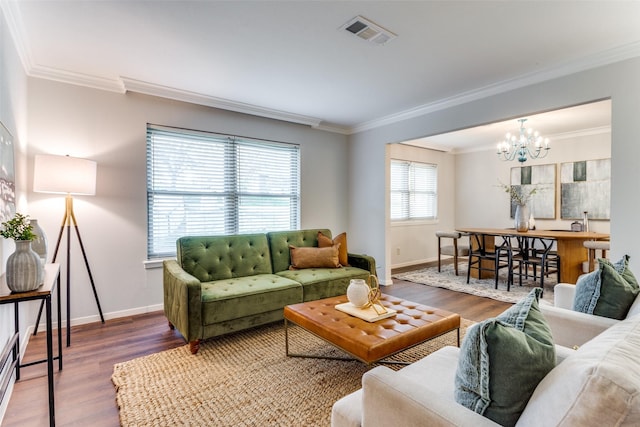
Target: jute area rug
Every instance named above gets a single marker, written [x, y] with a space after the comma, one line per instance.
[480, 287]
[244, 379]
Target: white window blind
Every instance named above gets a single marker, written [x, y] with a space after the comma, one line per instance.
[414, 190]
[201, 183]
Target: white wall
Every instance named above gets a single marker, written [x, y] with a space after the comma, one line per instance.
[414, 242]
[618, 81]
[13, 114]
[481, 203]
[467, 180]
[110, 128]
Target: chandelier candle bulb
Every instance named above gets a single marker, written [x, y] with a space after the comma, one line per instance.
[528, 145]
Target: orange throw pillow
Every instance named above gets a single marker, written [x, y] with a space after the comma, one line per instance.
[325, 242]
[310, 257]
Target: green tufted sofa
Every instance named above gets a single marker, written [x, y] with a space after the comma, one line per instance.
[223, 284]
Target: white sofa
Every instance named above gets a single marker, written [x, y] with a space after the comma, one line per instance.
[596, 385]
[570, 328]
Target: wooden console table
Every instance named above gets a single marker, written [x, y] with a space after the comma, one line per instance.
[570, 247]
[43, 293]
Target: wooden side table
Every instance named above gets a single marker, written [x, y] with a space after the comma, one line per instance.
[43, 293]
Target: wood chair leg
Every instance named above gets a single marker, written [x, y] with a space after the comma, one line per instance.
[455, 262]
[439, 253]
[455, 255]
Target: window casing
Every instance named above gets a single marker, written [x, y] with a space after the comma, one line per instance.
[414, 190]
[201, 183]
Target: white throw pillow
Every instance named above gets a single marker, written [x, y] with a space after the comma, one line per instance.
[599, 385]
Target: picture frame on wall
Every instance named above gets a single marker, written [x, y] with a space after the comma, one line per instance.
[586, 186]
[542, 178]
[7, 176]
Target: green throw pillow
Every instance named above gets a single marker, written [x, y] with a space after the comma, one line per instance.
[608, 291]
[618, 289]
[503, 359]
[622, 267]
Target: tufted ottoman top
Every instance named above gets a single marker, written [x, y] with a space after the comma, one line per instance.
[370, 342]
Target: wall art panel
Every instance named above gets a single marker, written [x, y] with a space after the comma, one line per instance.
[542, 203]
[7, 176]
[585, 186]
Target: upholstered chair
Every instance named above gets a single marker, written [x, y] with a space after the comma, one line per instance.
[451, 247]
[572, 328]
[593, 246]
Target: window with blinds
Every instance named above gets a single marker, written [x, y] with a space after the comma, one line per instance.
[200, 183]
[414, 190]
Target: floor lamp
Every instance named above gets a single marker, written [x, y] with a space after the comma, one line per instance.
[70, 176]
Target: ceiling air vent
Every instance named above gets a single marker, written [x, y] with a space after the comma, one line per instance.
[369, 31]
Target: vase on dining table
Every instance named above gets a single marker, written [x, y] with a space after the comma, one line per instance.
[521, 218]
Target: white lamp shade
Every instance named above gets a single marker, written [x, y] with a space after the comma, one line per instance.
[64, 175]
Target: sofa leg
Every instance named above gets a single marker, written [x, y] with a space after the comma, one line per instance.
[194, 346]
[171, 326]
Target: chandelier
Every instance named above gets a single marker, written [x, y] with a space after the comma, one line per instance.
[528, 144]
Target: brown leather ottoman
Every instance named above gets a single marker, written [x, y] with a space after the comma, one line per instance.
[368, 342]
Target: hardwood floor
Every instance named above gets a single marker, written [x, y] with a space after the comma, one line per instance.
[84, 393]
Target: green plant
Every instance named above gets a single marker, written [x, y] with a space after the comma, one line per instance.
[18, 228]
[517, 196]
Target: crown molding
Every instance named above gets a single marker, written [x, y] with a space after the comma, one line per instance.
[334, 128]
[580, 133]
[123, 84]
[610, 56]
[553, 137]
[16, 29]
[31, 69]
[78, 79]
[211, 101]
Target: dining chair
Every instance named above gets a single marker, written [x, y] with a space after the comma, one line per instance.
[535, 254]
[455, 249]
[596, 245]
[487, 256]
[517, 251]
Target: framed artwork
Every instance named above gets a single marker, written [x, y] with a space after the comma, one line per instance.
[542, 178]
[7, 176]
[585, 186]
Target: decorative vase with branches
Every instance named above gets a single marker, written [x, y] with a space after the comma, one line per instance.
[520, 199]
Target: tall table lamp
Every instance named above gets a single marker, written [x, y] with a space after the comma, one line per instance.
[70, 176]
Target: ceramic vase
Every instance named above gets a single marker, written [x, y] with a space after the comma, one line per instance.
[358, 292]
[585, 221]
[532, 222]
[25, 271]
[39, 244]
[521, 218]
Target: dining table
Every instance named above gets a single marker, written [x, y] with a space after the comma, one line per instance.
[569, 246]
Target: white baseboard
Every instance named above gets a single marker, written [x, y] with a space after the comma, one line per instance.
[117, 314]
[107, 316]
[414, 262]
